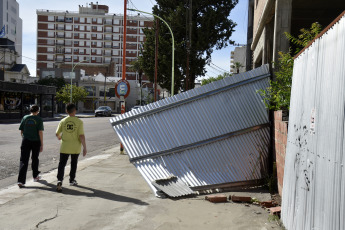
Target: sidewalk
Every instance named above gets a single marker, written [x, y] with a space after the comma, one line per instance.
[57, 117]
[113, 195]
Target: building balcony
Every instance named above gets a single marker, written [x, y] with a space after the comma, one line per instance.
[60, 20]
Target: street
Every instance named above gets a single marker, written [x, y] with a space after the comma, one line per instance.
[99, 136]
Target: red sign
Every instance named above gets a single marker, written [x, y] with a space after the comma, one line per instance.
[123, 107]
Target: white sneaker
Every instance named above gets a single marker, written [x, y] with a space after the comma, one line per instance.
[73, 183]
[36, 179]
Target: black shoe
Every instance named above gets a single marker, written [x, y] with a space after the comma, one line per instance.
[59, 186]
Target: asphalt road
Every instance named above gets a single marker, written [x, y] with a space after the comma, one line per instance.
[99, 137]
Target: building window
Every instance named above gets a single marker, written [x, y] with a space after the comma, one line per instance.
[68, 51]
[76, 42]
[99, 36]
[116, 22]
[51, 26]
[94, 20]
[94, 35]
[81, 35]
[76, 50]
[50, 57]
[50, 65]
[82, 20]
[88, 20]
[50, 50]
[50, 18]
[88, 28]
[116, 37]
[69, 19]
[81, 43]
[76, 26]
[82, 28]
[142, 23]
[99, 28]
[68, 27]
[51, 34]
[99, 20]
[94, 28]
[116, 29]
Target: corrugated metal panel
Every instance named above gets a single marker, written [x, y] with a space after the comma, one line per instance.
[172, 186]
[211, 135]
[314, 180]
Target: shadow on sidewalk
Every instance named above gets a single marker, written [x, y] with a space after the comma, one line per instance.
[93, 193]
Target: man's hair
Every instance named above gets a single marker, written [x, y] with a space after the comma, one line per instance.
[34, 108]
[70, 108]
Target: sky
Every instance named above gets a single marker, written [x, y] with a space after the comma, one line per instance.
[27, 11]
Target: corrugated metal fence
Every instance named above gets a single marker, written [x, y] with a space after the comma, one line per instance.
[203, 138]
[314, 177]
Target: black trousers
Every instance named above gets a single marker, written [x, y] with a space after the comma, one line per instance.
[62, 164]
[27, 147]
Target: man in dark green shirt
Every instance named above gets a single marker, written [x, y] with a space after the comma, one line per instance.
[31, 128]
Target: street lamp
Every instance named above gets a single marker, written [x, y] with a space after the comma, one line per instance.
[173, 47]
[72, 73]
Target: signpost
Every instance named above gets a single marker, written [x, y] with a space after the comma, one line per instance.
[122, 89]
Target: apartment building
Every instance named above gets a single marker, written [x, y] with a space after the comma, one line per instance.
[92, 38]
[9, 17]
[269, 19]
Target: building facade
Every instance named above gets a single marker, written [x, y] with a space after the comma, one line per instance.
[269, 19]
[91, 37]
[9, 17]
[238, 60]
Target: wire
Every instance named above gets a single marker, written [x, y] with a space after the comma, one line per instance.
[138, 9]
[220, 67]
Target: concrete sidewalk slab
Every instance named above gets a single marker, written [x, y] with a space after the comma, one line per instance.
[113, 195]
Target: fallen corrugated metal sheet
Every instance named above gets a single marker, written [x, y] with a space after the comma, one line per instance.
[314, 177]
[172, 186]
[213, 135]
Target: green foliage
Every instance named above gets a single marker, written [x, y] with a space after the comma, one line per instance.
[58, 82]
[78, 94]
[237, 66]
[212, 79]
[306, 36]
[277, 95]
[211, 29]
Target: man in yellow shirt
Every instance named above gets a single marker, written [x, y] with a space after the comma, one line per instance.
[71, 133]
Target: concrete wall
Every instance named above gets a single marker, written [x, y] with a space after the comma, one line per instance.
[280, 141]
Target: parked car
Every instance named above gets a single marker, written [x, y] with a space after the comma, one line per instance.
[103, 111]
[136, 107]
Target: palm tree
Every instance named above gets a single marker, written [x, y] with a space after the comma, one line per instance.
[237, 66]
[137, 67]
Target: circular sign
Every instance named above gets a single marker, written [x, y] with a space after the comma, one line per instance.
[122, 88]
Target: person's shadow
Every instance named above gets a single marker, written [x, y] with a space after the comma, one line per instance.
[93, 193]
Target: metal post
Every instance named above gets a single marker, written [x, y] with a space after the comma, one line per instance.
[71, 74]
[105, 80]
[156, 60]
[173, 48]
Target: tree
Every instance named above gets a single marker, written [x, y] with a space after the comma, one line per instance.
[212, 79]
[237, 66]
[211, 29]
[137, 66]
[78, 94]
[58, 82]
[277, 95]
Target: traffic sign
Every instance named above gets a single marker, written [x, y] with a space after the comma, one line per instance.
[122, 88]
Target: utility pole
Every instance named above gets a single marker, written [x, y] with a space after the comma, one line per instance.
[156, 60]
[188, 82]
[122, 98]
